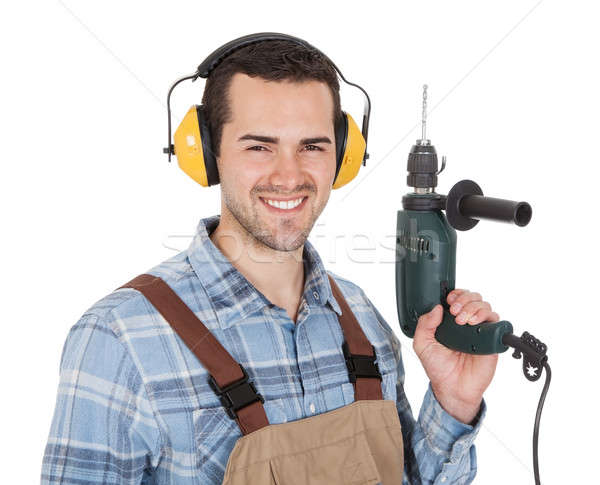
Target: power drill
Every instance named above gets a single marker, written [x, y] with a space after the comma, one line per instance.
[426, 262]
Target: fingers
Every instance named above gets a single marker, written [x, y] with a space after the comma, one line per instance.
[472, 309]
[475, 312]
[469, 308]
[428, 322]
[426, 325]
[454, 294]
[462, 299]
[483, 315]
[494, 317]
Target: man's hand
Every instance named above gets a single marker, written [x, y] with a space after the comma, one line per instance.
[458, 380]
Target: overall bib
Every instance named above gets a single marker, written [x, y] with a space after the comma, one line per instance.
[357, 444]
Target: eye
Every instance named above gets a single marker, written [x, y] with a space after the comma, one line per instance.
[313, 148]
[257, 148]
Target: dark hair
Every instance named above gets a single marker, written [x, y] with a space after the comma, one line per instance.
[272, 60]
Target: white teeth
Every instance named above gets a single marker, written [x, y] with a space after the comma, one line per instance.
[284, 204]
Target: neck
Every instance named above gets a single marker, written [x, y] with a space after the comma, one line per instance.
[278, 275]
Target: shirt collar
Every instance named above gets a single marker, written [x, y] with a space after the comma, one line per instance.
[232, 295]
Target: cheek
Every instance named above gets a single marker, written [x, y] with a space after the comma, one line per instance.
[235, 171]
[239, 176]
[323, 174]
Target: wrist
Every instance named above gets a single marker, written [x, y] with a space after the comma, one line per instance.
[463, 411]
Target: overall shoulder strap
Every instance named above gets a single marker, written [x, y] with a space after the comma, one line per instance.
[359, 353]
[227, 378]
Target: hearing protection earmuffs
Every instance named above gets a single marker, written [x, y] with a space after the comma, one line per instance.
[192, 143]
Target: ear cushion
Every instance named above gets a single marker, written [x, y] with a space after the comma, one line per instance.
[210, 161]
[341, 134]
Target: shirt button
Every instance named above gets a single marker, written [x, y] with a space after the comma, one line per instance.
[312, 407]
[316, 295]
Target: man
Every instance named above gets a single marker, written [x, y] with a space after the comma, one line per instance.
[134, 405]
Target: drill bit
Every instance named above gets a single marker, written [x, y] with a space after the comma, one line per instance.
[424, 115]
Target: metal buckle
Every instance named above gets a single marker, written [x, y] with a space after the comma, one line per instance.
[361, 365]
[236, 395]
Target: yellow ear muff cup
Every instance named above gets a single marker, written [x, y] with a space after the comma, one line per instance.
[188, 147]
[353, 154]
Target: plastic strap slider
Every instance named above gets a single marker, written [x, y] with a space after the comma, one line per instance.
[236, 395]
[361, 365]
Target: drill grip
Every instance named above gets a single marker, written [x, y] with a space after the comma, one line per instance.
[481, 339]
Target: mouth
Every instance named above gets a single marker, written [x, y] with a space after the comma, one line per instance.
[287, 205]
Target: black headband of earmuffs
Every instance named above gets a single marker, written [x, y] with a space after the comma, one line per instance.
[215, 58]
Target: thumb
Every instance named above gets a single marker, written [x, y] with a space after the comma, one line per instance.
[428, 323]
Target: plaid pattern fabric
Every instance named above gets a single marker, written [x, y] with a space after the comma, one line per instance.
[134, 405]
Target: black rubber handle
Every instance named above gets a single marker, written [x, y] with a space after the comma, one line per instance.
[481, 207]
[466, 205]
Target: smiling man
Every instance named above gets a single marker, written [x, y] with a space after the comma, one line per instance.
[276, 166]
[134, 403]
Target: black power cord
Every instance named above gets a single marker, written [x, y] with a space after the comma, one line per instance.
[536, 426]
[534, 356]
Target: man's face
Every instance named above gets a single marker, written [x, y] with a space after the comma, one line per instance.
[277, 158]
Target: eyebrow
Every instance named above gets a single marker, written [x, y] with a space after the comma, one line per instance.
[275, 140]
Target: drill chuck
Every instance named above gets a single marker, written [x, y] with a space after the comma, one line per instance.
[422, 166]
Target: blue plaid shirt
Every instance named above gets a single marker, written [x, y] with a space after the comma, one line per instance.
[134, 405]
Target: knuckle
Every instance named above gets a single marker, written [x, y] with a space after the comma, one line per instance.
[473, 307]
[476, 319]
[470, 307]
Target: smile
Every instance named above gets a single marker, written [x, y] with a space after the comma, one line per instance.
[285, 205]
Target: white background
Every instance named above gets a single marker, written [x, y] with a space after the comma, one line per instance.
[89, 201]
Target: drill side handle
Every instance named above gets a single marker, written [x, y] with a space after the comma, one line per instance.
[466, 205]
[481, 339]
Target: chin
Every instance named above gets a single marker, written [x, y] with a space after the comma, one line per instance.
[284, 242]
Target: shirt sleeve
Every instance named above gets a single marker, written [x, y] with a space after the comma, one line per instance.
[438, 449]
[103, 430]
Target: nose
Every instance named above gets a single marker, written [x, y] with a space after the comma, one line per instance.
[287, 171]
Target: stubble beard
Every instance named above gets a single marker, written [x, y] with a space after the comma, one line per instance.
[249, 219]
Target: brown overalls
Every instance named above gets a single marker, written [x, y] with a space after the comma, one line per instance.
[358, 444]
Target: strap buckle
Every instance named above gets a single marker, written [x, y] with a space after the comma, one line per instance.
[361, 365]
[236, 395]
